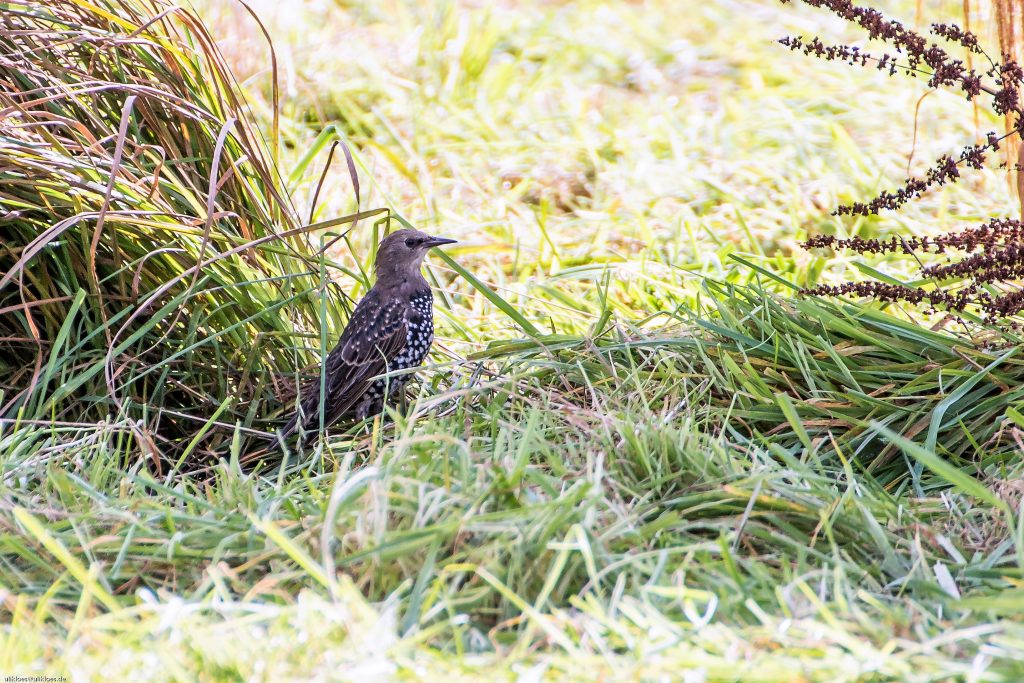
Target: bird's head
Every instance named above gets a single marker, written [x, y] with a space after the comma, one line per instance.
[401, 253]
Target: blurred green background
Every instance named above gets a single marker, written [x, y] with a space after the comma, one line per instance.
[658, 137]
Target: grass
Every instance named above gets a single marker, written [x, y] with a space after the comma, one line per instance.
[636, 455]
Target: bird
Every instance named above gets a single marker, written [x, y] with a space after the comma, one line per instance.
[391, 328]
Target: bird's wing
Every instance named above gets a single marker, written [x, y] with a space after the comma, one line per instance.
[375, 327]
[375, 334]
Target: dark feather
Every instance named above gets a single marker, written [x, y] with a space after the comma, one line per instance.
[390, 329]
[375, 334]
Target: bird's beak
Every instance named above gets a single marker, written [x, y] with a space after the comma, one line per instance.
[437, 242]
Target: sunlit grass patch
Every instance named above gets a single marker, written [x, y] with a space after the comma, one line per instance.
[638, 454]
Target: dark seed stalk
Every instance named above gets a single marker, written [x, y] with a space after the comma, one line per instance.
[995, 250]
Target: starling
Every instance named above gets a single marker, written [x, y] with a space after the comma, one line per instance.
[391, 329]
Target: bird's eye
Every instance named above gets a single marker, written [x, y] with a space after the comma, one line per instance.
[410, 242]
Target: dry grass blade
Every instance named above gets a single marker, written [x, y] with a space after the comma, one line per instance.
[132, 171]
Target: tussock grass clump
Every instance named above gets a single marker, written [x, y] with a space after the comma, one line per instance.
[147, 249]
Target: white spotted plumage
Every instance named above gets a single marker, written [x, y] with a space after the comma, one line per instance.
[419, 337]
[390, 331]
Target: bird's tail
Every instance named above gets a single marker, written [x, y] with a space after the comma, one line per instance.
[289, 427]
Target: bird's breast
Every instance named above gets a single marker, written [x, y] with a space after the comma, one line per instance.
[419, 330]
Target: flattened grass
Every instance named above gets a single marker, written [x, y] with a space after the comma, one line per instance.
[630, 505]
